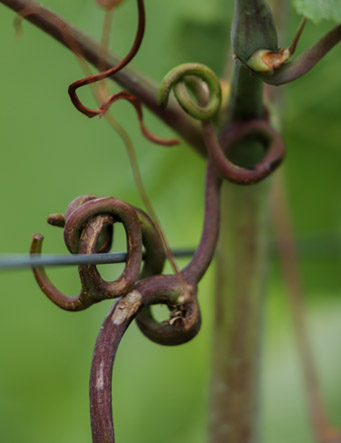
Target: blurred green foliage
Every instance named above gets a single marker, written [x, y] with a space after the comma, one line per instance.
[318, 10]
[50, 154]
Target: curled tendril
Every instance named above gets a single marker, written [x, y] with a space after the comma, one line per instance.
[104, 107]
[138, 108]
[184, 321]
[237, 133]
[88, 229]
[109, 72]
[177, 76]
[122, 212]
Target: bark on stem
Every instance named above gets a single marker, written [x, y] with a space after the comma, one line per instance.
[234, 409]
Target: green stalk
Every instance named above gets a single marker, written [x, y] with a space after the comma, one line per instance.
[240, 285]
[246, 100]
[241, 254]
[253, 28]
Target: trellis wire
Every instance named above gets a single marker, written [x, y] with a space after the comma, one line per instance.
[324, 245]
[20, 261]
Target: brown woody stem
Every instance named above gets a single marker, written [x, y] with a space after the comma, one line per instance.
[112, 330]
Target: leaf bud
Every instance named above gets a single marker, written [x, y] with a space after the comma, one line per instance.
[266, 62]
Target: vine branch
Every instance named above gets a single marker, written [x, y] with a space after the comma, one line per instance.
[306, 61]
[131, 79]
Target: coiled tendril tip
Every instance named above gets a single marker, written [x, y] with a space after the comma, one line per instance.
[177, 79]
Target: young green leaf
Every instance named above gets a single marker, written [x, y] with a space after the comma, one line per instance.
[317, 10]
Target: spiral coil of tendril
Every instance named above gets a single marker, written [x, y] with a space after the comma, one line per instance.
[181, 78]
[88, 229]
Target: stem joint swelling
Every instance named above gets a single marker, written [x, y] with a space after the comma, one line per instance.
[265, 61]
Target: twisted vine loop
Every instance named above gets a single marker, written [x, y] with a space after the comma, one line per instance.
[125, 95]
[109, 72]
[88, 226]
[177, 76]
[88, 229]
[184, 321]
[237, 133]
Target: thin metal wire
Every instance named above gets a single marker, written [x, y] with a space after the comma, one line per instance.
[327, 245]
[20, 261]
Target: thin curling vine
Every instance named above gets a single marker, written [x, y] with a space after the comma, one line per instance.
[176, 78]
[94, 78]
[103, 108]
[109, 72]
[88, 229]
[236, 133]
[86, 218]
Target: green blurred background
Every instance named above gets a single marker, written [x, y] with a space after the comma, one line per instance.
[50, 154]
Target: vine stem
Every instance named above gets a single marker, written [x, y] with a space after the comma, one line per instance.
[234, 410]
[107, 343]
[131, 79]
[239, 305]
[306, 61]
